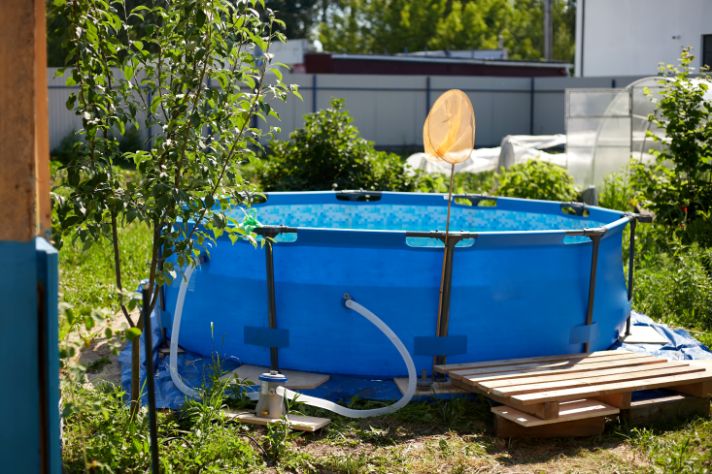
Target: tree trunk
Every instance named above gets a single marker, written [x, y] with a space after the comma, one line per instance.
[135, 374]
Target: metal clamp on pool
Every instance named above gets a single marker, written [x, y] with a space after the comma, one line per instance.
[269, 233]
[595, 234]
[635, 217]
[450, 241]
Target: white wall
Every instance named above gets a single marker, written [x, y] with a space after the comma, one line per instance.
[631, 37]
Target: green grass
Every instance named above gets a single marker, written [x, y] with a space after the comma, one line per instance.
[87, 282]
[442, 436]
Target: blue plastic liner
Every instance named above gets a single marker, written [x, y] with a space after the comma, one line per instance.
[680, 346]
[196, 370]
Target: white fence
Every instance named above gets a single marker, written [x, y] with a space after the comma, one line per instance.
[390, 110]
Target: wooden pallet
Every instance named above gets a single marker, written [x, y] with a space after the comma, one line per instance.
[538, 389]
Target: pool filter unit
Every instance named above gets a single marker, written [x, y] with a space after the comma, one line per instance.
[271, 402]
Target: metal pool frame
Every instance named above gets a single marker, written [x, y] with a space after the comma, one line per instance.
[269, 233]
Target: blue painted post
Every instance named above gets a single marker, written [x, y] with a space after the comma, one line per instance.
[29, 403]
[48, 293]
[19, 399]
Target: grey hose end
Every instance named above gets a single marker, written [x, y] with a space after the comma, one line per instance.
[347, 297]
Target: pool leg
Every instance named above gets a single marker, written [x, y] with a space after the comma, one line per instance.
[441, 329]
[631, 264]
[596, 241]
[271, 304]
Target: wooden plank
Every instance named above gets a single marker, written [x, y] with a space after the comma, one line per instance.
[537, 367]
[540, 410]
[584, 368]
[569, 429]
[508, 382]
[568, 411]
[594, 391]
[494, 363]
[437, 388]
[296, 422]
[620, 400]
[594, 380]
[552, 364]
[701, 389]
[665, 410]
[43, 206]
[296, 380]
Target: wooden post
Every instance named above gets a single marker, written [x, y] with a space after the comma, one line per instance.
[24, 160]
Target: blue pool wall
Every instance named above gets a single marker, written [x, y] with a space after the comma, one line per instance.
[515, 293]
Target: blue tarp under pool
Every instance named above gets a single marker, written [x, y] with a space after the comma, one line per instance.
[196, 370]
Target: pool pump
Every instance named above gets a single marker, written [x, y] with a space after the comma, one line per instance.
[272, 407]
[271, 402]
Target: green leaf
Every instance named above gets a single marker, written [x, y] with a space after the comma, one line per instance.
[132, 333]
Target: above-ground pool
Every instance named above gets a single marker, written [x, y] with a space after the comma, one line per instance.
[520, 275]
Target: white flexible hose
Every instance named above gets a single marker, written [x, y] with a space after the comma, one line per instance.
[309, 400]
[350, 412]
[175, 333]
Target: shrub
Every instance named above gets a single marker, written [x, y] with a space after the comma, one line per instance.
[677, 185]
[536, 179]
[67, 149]
[676, 286]
[617, 193]
[329, 153]
[465, 183]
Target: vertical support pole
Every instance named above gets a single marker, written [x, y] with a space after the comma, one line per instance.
[531, 106]
[313, 89]
[631, 265]
[427, 95]
[150, 386]
[595, 241]
[20, 115]
[445, 292]
[548, 31]
[41, 123]
[271, 304]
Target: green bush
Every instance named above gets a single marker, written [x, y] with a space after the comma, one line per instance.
[617, 193]
[465, 183]
[67, 149]
[675, 286]
[536, 179]
[677, 185]
[329, 153]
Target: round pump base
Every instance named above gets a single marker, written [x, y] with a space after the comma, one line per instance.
[296, 422]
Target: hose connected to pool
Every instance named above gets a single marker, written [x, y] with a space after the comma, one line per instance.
[175, 334]
[296, 396]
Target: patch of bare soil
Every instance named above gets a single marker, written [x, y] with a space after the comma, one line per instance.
[101, 355]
